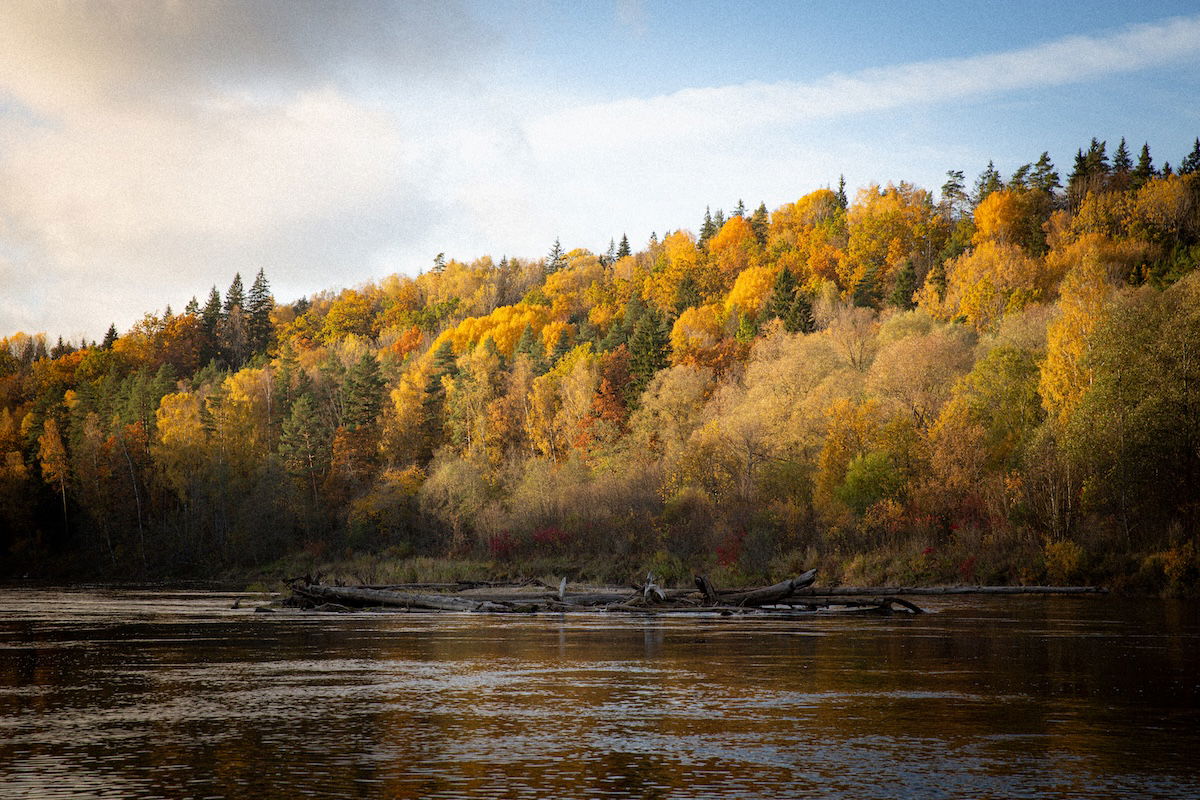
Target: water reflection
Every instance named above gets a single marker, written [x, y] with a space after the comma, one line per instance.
[144, 694]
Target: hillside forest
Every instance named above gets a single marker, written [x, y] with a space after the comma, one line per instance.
[997, 383]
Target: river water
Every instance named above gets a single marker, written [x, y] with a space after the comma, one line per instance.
[153, 694]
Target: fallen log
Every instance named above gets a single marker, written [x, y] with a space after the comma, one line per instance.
[893, 591]
[359, 597]
[758, 597]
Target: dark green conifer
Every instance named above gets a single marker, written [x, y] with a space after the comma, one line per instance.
[760, 223]
[260, 304]
[988, 181]
[799, 316]
[1191, 162]
[905, 287]
[363, 391]
[1144, 170]
[1044, 177]
[556, 260]
[783, 294]
[623, 248]
[235, 297]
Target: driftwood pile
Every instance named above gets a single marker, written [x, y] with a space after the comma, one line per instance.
[789, 596]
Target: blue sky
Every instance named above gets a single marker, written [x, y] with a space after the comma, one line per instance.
[150, 150]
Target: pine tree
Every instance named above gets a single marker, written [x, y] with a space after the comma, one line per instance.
[954, 195]
[610, 255]
[740, 210]
[235, 297]
[623, 248]
[439, 263]
[260, 304]
[718, 221]
[1044, 177]
[192, 307]
[444, 365]
[1020, 178]
[363, 392]
[988, 181]
[1144, 170]
[1191, 162]
[285, 382]
[304, 442]
[760, 223]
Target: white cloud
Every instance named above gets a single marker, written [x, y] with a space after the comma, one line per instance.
[704, 112]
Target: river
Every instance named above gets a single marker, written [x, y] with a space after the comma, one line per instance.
[173, 694]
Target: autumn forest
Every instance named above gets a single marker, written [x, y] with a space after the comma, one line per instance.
[994, 382]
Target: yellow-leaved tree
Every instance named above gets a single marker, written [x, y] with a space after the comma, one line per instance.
[1065, 376]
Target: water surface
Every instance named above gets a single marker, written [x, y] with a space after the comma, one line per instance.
[152, 694]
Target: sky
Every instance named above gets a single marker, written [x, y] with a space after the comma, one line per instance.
[150, 150]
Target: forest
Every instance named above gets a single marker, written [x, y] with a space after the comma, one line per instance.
[996, 383]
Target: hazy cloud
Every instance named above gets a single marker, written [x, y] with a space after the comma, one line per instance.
[150, 149]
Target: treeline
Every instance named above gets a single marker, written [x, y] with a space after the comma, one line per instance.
[1002, 384]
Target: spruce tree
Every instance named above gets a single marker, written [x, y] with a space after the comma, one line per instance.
[648, 348]
[259, 307]
[799, 316]
[109, 338]
[1144, 170]
[1121, 161]
[192, 307]
[760, 223]
[904, 287]
[623, 248]
[707, 228]
[842, 201]
[687, 294]
[561, 347]
[783, 294]
[555, 260]
[528, 346]
[235, 297]
[1191, 162]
